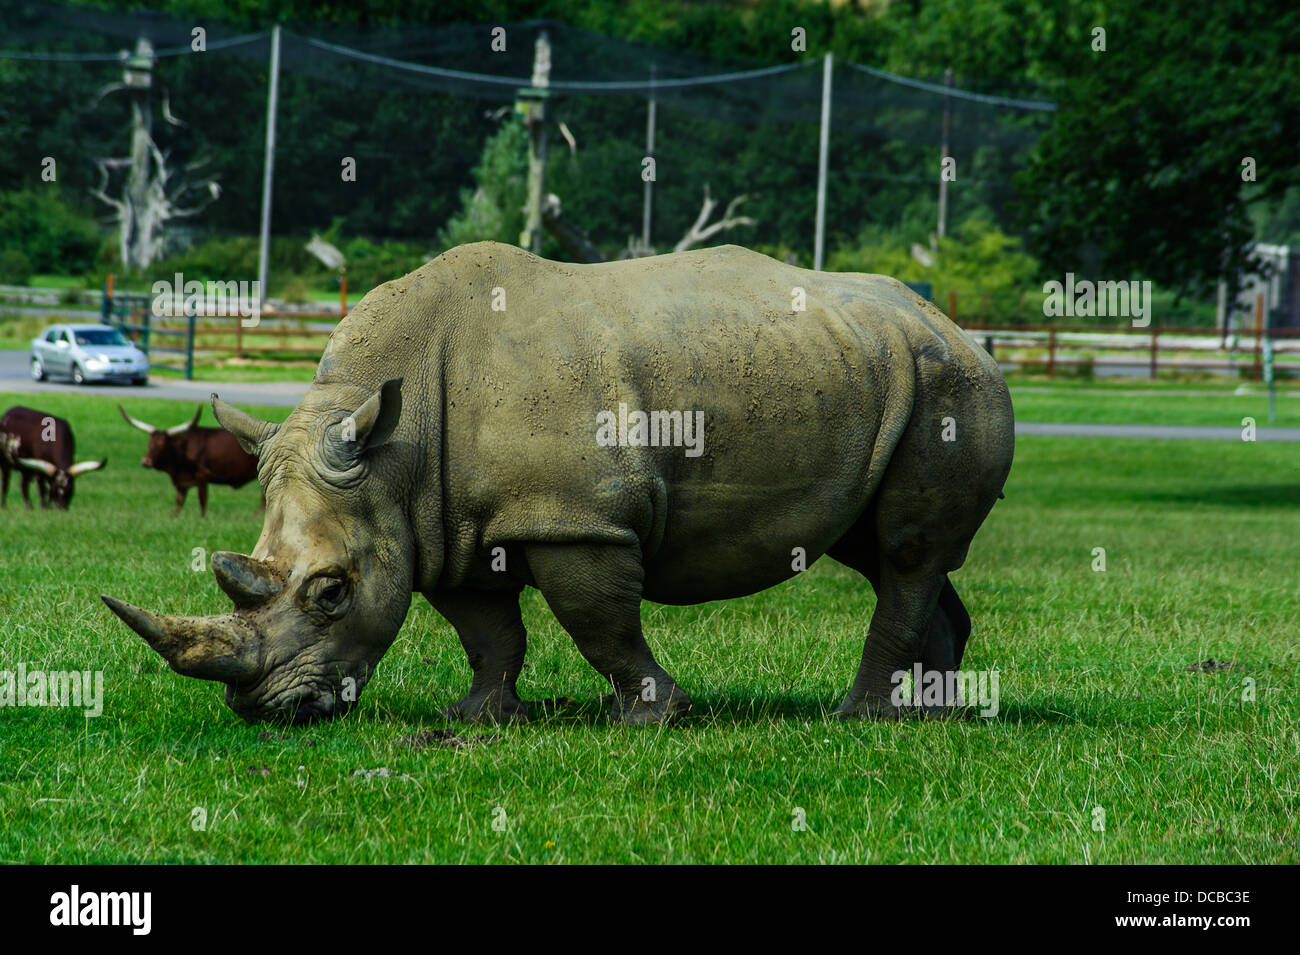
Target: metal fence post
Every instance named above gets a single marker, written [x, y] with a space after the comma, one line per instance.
[823, 150]
[1257, 373]
[189, 346]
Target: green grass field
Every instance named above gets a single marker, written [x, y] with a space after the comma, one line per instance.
[1097, 711]
[1198, 403]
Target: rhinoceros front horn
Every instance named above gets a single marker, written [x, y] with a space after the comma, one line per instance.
[223, 648]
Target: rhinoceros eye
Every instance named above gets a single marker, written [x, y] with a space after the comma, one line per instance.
[329, 594]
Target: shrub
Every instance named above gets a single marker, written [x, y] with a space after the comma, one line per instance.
[37, 226]
[494, 209]
[977, 256]
[15, 267]
[296, 292]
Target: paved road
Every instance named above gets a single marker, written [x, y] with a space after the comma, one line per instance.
[14, 377]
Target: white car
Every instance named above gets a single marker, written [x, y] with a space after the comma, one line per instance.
[88, 353]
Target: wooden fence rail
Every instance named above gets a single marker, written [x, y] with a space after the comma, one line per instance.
[1057, 346]
[1052, 347]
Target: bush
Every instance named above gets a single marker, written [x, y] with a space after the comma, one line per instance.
[51, 236]
[15, 267]
[296, 292]
[976, 257]
[370, 263]
[216, 259]
[72, 295]
[294, 270]
[494, 210]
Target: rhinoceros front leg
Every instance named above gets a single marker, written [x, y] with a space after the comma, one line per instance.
[492, 633]
[595, 593]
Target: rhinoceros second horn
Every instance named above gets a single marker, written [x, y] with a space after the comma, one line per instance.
[249, 431]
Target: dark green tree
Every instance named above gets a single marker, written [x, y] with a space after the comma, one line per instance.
[1149, 167]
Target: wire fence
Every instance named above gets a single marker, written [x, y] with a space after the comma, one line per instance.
[414, 106]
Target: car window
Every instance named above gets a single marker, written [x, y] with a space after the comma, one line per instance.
[67, 337]
[51, 335]
[100, 336]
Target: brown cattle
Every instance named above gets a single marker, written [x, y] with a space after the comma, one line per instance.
[39, 445]
[195, 457]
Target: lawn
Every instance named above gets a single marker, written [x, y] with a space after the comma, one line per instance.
[1098, 710]
[1138, 402]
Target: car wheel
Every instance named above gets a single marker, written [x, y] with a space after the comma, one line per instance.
[140, 381]
[38, 370]
[78, 376]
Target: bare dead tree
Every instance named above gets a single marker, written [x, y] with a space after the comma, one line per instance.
[579, 246]
[151, 193]
[700, 231]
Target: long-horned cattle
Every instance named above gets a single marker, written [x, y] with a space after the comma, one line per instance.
[194, 456]
[39, 445]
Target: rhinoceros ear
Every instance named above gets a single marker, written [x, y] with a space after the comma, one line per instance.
[377, 418]
[368, 427]
[250, 432]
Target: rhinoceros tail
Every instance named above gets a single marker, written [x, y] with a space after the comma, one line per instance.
[894, 419]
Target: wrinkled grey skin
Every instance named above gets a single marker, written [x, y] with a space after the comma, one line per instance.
[475, 429]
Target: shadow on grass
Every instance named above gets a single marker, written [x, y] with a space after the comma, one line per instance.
[1048, 712]
[707, 710]
[1257, 495]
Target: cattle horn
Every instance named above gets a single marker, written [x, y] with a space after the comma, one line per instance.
[85, 466]
[182, 428]
[36, 464]
[223, 648]
[250, 432]
[136, 422]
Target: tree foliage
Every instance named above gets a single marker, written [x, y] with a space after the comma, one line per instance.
[1143, 171]
[1140, 174]
[51, 235]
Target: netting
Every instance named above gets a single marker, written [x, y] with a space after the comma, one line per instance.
[415, 105]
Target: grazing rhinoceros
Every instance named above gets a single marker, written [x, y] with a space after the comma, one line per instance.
[678, 429]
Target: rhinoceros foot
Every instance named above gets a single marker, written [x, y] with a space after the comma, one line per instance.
[488, 708]
[635, 710]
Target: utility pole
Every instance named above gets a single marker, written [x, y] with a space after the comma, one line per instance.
[819, 242]
[532, 106]
[268, 172]
[650, 152]
[943, 183]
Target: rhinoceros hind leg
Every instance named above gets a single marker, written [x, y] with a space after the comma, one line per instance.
[492, 633]
[896, 639]
[595, 593]
[946, 634]
[949, 630]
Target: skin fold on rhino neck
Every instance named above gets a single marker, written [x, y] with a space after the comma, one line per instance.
[341, 542]
[328, 585]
